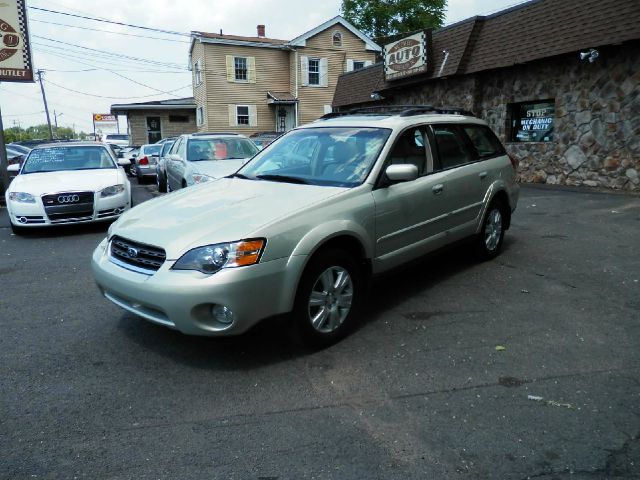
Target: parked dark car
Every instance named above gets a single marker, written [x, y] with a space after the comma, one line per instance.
[161, 171]
[262, 139]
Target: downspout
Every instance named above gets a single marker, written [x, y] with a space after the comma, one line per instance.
[295, 67]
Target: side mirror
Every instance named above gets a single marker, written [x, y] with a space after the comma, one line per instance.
[13, 168]
[401, 173]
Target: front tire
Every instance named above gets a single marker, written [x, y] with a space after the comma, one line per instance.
[491, 236]
[18, 230]
[161, 181]
[328, 300]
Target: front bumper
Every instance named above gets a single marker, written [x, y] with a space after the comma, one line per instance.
[35, 215]
[182, 300]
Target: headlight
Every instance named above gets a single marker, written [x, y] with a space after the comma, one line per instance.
[201, 178]
[22, 197]
[112, 190]
[212, 258]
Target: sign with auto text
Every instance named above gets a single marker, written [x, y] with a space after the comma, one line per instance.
[408, 56]
[15, 51]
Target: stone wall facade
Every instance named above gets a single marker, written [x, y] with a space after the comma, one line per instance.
[137, 122]
[596, 139]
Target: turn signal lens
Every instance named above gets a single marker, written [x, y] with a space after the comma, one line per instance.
[248, 253]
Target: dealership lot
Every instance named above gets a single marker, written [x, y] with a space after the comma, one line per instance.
[525, 366]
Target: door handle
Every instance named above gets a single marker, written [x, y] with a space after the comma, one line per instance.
[483, 174]
[437, 189]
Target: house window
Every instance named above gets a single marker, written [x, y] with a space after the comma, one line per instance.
[241, 68]
[197, 72]
[358, 65]
[337, 39]
[531, 121]
[200, 115]
[178, 118]
[314, 71]
[242, 115]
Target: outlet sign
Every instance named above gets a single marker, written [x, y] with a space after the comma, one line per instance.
[15, 51]
[408, 56]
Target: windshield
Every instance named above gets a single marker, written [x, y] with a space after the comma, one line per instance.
[335, 156]
[55, 159]
[220, 149]
[166, 146]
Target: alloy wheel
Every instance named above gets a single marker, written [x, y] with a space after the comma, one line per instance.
[330, 300]
[493, 229]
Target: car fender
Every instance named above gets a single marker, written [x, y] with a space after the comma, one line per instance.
[496, 187]
[313, 241]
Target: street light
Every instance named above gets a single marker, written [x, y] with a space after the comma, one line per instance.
[55, 117]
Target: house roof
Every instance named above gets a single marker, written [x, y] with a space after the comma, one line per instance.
[528, 32]
[299, 41]
[237, 40]
[169, 104]
[337, 20]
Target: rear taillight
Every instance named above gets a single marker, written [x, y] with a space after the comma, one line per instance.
[144, 161]
[514, 161]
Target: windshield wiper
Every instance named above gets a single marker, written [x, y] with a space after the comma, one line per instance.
[283, 178]
[239, 175]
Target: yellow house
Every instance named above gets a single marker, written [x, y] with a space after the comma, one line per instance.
[257, 84]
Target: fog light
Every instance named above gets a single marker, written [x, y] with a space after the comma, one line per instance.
[222, 314]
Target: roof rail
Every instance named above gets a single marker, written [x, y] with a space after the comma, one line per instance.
[202, 134]
[400, 110]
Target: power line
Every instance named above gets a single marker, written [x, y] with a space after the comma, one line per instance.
[22, 114]
[109, 31]
[168, 32]
[118, 55]
[115, 97]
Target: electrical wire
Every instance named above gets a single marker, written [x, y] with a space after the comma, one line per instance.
[109, 31]
[117, 55]
[113, 22]
[115, 97]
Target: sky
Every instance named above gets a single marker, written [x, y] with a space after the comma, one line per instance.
[82, 78]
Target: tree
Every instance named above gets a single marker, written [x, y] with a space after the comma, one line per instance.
[381, 19]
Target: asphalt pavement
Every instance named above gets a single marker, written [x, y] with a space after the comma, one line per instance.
[527, 366]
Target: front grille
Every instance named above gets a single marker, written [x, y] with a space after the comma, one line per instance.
[29, 219]
[136, 254]
[68, 206]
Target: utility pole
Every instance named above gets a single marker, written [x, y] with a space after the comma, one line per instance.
[46, 107]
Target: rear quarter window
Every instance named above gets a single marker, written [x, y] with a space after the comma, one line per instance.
[484, 141]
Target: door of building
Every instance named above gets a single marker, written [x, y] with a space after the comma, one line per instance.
[285, 118]
[154, 130]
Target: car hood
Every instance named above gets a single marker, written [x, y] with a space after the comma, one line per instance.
[218, 168]
[71, 180]
[224, 210]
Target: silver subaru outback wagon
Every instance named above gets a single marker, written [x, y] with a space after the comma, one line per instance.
[301, 228]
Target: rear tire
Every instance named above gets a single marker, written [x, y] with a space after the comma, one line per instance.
[328, 300]
[489, 240]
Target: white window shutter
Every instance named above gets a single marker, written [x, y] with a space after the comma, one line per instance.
[231, 69]
[253, 116]
[304, 63]
[324, 72]
[233, 119]
[251, 67]
[368, 63]
[349, 65]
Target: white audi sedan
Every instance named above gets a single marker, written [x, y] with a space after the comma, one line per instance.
[67, 183]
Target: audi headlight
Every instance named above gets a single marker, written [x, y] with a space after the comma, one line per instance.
[201, 178]
[112, 190]
[212, 258]
[22, 197]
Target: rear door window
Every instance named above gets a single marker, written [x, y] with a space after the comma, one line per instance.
[451, 147]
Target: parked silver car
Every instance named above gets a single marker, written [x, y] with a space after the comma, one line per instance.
[144, 162]
[202, 157]
[303, 226]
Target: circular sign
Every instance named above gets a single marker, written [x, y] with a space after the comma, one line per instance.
[10, 41]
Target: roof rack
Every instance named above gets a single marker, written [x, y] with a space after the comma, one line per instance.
[400, 110]
[202, 134]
